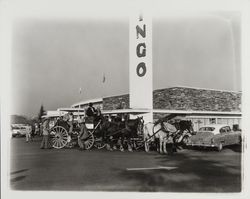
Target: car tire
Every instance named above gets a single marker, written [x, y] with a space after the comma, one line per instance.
[220, 147]
[240, 140]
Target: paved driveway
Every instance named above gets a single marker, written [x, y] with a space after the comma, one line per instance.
[100, 170]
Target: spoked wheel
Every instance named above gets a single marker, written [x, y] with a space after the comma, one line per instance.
[99, 143]
[59, 137]
[89, 140]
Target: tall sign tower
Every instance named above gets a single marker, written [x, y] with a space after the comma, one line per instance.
[140, 65]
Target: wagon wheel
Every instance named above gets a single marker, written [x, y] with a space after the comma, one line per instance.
[99, 143]
[59, 136]
[89, 141]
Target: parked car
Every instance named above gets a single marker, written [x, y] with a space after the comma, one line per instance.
[19, 130]
[216, 136]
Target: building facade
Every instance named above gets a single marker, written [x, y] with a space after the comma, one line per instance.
[84, 104]
[201, 106]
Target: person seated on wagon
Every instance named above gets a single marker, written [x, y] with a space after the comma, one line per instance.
[98, 115]
[90, 113]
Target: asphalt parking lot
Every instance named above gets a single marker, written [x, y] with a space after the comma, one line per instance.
[100, 170]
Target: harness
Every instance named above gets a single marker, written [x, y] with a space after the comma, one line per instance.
[160, 129]
[129, 129]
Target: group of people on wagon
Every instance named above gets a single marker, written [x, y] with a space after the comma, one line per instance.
[92, 115]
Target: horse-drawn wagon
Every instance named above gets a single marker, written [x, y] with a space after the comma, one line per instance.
[101, 133]
[59, 128]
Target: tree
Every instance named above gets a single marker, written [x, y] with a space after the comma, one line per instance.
[41, 113]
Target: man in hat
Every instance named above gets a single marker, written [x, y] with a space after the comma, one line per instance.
[70, 123]
[83, 134]
[45, 129]
[28, 133]
[91, 111]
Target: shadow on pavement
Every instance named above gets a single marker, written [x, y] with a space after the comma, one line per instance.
[19, 178]
[235, 148]
[192, 175]
[19, 171]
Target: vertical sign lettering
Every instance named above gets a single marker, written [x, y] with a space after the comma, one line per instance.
[140, 64]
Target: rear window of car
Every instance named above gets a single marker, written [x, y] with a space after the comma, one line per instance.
[206, 129]
[225, 129]
[22, 128]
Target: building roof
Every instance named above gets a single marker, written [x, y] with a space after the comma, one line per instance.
[181, 99]
[190, 112]
[183, 112]
[71, 109]
[51, 114]
[130, 111]
[199, 88]
[85, 102]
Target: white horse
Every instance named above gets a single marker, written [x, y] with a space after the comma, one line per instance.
[159, 131]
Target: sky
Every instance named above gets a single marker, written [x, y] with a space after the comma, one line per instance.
[53, 58]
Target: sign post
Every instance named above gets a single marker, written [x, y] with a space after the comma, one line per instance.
[140, 65]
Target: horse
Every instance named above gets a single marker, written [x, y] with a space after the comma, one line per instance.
[112, 133]
[184, 125]
[184, 131]
[161, 133]
[134, 129]
[117, 132]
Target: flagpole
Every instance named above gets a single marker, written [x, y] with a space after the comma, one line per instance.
[103, 82]
[80, 91]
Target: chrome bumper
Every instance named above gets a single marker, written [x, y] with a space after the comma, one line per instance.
[201, 145]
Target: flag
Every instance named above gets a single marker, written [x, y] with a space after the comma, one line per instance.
[104, 78]
[80, 90]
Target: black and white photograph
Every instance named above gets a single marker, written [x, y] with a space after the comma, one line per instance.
[123, 97]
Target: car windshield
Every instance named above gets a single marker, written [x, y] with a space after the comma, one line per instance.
[15, 127]
[206, 129]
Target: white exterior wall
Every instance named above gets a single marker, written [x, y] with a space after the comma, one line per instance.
[200, 121]
[97, 104]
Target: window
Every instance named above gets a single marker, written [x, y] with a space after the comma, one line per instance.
[223, 130]
[228, 129]
[207, 129]
[212, 121]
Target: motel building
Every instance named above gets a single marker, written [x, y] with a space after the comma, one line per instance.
[201, 106]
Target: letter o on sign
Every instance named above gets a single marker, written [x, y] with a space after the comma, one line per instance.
[141, 69]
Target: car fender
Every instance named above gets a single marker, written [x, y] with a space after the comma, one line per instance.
[219, 139]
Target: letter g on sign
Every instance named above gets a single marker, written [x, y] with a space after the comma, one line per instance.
[141, 69]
